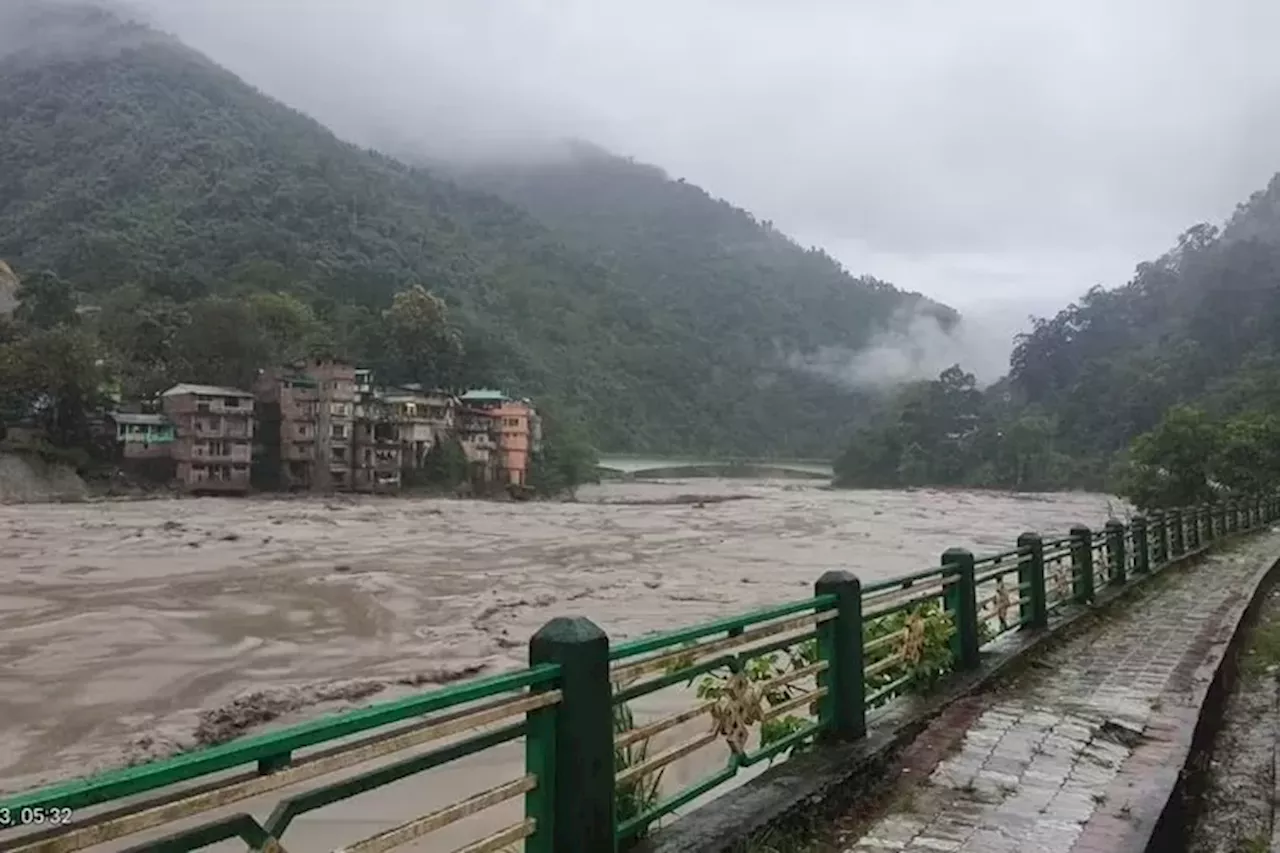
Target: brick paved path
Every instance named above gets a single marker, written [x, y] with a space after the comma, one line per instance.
[1056, 761]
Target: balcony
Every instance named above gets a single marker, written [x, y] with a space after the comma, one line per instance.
[215, 451]
[203, 427]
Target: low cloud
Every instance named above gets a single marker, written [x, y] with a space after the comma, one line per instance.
[913, 347]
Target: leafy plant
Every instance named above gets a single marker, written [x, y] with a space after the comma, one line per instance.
[934, 660]
[636, 796]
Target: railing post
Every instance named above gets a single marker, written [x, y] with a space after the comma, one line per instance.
[1115, 547]
[581, 810]
[1219, 514]
[1193, 529]
[843, 711]
[1082, 563]
[961, 601]
[1035, 607]
[1233, 516]
[1178, 543]
[1142, 542]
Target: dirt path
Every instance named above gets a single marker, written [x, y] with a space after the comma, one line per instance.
[1059, 761]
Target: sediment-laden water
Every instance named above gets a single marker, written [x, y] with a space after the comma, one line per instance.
[132, 629]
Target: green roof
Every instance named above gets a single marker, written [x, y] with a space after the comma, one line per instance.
[484, 395]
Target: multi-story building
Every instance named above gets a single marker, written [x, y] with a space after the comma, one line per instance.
[376, 448]
[475, 435]
[213, 444]
[511, 426]
[307, 411]
[421, 418]
[140, 435]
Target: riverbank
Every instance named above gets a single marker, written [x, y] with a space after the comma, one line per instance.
[28, 478]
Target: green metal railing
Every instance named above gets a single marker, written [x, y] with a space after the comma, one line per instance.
[765, 684]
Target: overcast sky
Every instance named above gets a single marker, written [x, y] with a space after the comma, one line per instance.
[975, 151]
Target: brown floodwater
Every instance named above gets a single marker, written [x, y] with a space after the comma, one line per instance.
[123, 624]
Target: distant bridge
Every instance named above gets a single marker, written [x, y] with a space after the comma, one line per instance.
[693, 466]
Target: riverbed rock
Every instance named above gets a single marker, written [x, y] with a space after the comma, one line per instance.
[27, 478]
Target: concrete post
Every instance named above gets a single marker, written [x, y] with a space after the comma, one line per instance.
[843, 711]
[582, 808]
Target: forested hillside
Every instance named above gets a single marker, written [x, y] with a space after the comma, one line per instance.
[1195, 333]
[200, 228]
[730, 299]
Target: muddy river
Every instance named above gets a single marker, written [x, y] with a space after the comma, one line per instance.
[133, 629]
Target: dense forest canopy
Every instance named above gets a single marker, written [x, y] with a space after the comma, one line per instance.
[1185, 358]
[202, 229]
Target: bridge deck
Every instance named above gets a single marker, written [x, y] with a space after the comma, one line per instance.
[1063, 761]
[641, 465]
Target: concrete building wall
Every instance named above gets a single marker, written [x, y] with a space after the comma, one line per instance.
[213, 444]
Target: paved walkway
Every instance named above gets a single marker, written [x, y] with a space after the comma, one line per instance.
[1058, 761]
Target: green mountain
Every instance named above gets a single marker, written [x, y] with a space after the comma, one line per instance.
[211, 228]
[1194, 335]
[728, 301]
[1200, 324]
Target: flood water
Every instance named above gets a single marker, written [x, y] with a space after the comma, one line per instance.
[121, 622]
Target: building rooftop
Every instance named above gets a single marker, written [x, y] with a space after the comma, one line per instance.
[408, 392]
[139, 419]
[484, 395]
[204, 391]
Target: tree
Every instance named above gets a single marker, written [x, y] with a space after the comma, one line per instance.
[1172, 465]
[566, 459]
[53, 377]
[422, 345]
[1247, 457]
[46, 301]
[141, 333]
[223, 345]
[445, 464]
[290, 327]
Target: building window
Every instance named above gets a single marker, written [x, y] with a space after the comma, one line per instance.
[338, 430]
[339, 454]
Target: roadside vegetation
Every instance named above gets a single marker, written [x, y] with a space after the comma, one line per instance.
[1237, 812]
[920, 674]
